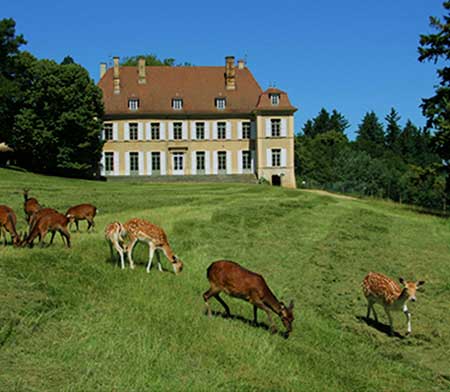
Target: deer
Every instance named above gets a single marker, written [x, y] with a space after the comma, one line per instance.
[38, 215]
[114, 235]
[237, 281]
[8, 221]
[52, 222]
[144, 231]
[379, 288]
[82, 212]
[30, 205]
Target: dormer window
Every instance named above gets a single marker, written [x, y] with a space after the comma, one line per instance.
[220, 103]
[177, 104]
[275, 99]
[133, 104]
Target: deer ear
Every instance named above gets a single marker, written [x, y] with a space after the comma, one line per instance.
[420, 283]
[401, 280]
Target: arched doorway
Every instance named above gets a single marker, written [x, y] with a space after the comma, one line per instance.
[276, 180]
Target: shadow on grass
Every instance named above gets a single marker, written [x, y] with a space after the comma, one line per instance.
[244, 320]
[380, 327]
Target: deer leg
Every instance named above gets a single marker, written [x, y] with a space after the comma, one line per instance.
[159, 262]
[120, 251]
[222, 302]
[65, 234]
[255, 314]
[408, 318]
[391, 329]
[76, 224]
[90, 223]
[130, 252]
[273, 328]
[53, 236]
[41, 240]
[151, 252]
[206, 296]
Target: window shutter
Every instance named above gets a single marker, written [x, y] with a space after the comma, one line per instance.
[268, 127]
[215, 163]
[206, 130]
[163, 163]
[269, 157]
[102, 134]
[148, 131]
[127, 163]
[126, 131]
[228, 162]
[239, 130]
[240, 163]
[115, 131]
[283, 130]
[102, 165]
[228, 129]
[207, 163]
[171, 131]
[162, 131]
[253, 130]
[252, 157]
[193, 163]
[141, 163]
[193, 130]
[116, 163]
[215, 130]
[140, 131]
[149, 163]
[283, 157]
[184, 130]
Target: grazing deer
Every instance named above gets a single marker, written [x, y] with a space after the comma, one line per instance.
[52, 222]
[236, 281]
[38, 215]
[155, 237]
[30, 205]
[82, 212]
[114, 235]
[380, 289]
[8, 222]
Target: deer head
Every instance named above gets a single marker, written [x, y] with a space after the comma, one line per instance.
[410, 288]
[287, 315]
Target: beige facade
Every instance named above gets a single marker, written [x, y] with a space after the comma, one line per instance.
[138, 143]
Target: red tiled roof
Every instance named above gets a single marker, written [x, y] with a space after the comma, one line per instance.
[197, 86]
[264, 102]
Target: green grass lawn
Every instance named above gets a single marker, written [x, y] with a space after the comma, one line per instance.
[71, 320]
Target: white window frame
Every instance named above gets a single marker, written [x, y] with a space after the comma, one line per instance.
[276, 156]
[220, 103]
[108, 130]
[177, 103]
[275, 99]
[133, 104]
[131, 128]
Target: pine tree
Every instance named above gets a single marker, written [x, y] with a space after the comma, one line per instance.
[371, 136]
[393, 131]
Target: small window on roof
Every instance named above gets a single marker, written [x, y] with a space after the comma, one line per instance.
[177, 104]
[220, 103]
[133, 104]
[274, 99]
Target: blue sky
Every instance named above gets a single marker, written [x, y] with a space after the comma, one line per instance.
[351, 55]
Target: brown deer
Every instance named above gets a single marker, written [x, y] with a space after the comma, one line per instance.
[236, 281]
[8, 221]
[38, 215]
[52, 222]
[380, 289]
[114, 235]
[155, 237]
[30, 205]
[82, 212]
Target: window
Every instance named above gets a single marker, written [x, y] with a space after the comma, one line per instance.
[155, 131]
[178, 161]
[133, 131]
[109, 162]
[221, 130]
[222, 160]
[276, 127]
[275, 99]
[156, 161]
[133, 104]
[178, 131]
[276, 157]
[134, 163]
[246, 160]
[220, 103]
[177, 104]
[246, 127]
[200, 130]
[108, 131]
[200, 156]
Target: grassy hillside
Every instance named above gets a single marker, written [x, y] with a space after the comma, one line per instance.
[70, 320]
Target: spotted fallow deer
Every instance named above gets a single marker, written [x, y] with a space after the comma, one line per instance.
[380, 289]
[8, 222]
[236, 281]
[144, 231]
[30, 205]
[114, 233]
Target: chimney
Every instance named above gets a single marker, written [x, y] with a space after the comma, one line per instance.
[241, 64]
[102, 69]
[230, 73]
[116, 75]
[141, 66]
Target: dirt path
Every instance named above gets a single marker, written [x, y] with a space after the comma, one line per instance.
[325, 193]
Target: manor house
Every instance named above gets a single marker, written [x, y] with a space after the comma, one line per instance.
[191, 121]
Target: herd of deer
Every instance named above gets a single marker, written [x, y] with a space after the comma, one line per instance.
[223, 275]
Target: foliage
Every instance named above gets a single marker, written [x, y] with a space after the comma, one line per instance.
[370, 136]
[324, 122]
[152, 60]
[393, 131]
[435, 47]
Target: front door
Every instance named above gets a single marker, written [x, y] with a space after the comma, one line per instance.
[178, 163]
